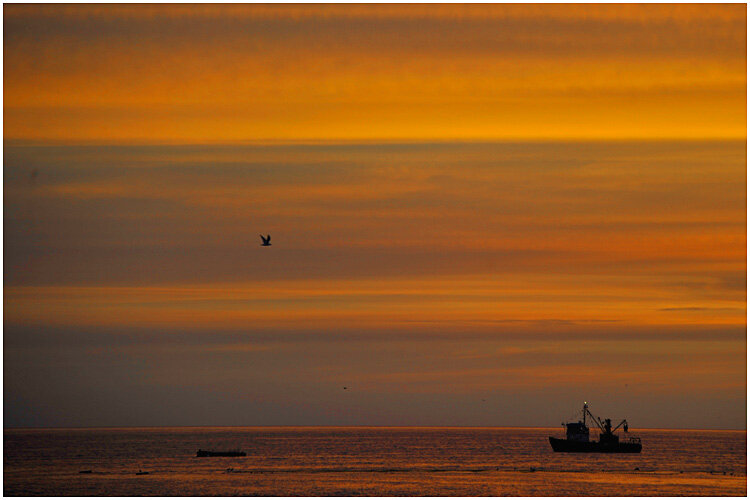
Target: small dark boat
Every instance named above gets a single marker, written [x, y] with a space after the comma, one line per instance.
[577, 437]
[141, 473]
[87, 471]
[226, 453]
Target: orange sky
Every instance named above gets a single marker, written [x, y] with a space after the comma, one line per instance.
[529, 204]
[353, 72]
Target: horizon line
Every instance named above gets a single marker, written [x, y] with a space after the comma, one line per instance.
[349, 427]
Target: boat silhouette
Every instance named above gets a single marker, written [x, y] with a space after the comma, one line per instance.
[577, 437]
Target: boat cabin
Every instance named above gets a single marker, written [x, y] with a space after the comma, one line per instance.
[577, 432]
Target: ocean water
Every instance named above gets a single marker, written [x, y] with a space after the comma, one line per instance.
[370, 461]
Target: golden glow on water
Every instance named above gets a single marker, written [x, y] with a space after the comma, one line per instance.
[373, 461]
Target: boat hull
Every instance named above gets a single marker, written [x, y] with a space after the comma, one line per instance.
[564, 445]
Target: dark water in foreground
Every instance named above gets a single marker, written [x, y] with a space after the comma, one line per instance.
[351, 461]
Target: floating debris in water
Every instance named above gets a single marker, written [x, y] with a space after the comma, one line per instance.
[220, 453]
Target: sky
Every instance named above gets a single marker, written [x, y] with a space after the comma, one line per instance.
[480, 214]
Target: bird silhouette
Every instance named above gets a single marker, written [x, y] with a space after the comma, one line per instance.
[266, 240]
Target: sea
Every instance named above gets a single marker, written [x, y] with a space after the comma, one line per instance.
[365, 461]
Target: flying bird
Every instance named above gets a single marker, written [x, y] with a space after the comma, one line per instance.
[266, 240]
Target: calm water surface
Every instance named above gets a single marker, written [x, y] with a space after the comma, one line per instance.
[351, 461]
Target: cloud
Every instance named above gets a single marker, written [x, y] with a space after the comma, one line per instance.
[364, 72]
[151, 215]
[633, 12]
[700, 309]
[125, 376]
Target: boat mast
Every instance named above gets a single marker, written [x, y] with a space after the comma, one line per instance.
[585, 407]
[594, 419]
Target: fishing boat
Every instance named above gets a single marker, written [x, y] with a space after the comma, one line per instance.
[225, 453]
[577, 437]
